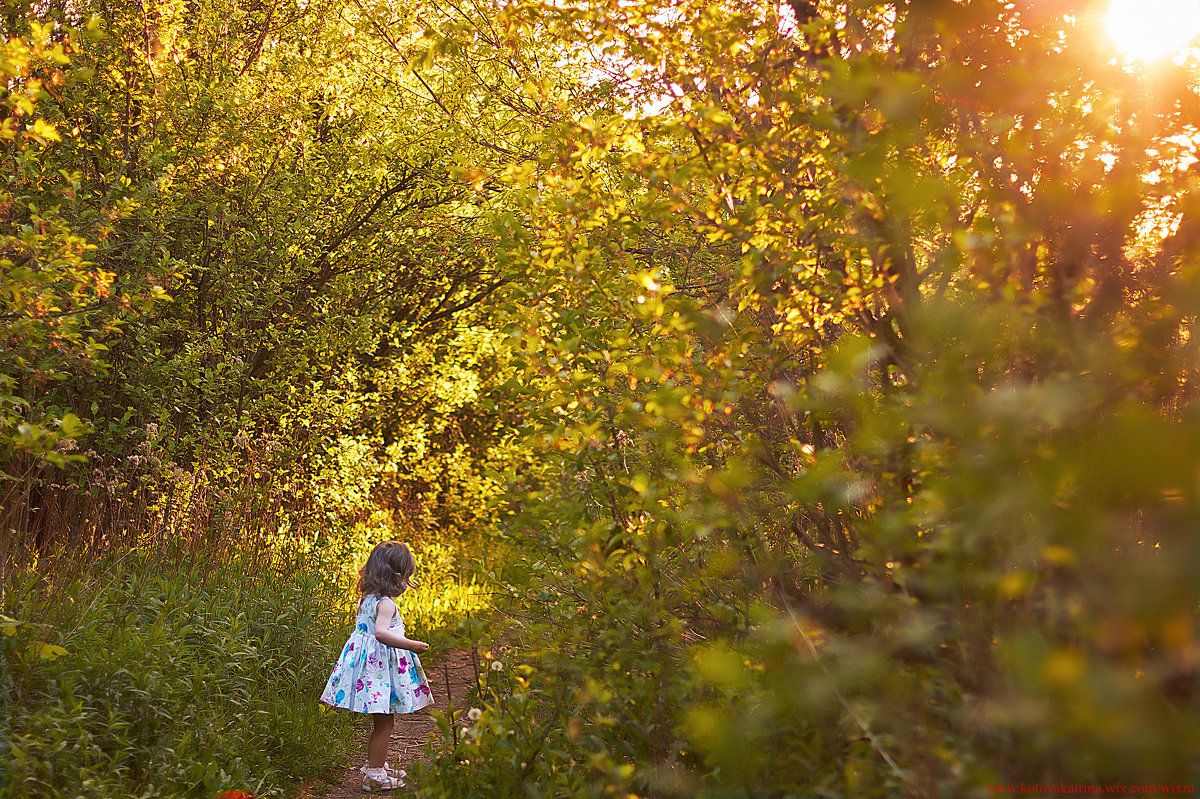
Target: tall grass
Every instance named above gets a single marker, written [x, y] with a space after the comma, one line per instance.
[200, 613]
[187, 671]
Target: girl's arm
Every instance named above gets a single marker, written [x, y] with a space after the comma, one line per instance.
[383, 624]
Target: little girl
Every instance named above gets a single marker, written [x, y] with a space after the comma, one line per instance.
[374, 675]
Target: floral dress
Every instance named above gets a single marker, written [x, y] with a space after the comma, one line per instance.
[372, 677]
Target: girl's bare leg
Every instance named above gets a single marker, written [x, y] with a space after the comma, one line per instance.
[380, 740]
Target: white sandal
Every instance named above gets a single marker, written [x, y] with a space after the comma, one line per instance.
[378, 779]
[398, 773]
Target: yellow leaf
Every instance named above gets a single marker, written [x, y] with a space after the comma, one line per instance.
[1063, 668]
[1015, 584]
[47, 651]
[43, 131]
[1058, 555]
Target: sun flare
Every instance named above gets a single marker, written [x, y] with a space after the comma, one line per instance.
[1150, 30]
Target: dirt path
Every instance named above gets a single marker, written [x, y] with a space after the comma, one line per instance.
[453, 674]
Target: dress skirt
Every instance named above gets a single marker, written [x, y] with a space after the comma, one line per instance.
[372, 677]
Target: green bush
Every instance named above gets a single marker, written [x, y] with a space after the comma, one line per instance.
[183, 675]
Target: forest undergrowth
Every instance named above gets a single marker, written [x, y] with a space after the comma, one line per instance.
[182, 670]
[168, 671]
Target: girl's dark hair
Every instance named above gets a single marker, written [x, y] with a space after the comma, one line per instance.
[387, 571]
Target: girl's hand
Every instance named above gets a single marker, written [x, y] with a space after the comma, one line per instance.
[418, 646]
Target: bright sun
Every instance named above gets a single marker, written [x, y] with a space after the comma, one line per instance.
[1153, 29]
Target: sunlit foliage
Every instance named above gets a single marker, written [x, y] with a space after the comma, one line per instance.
[823, 372]
[867, 456]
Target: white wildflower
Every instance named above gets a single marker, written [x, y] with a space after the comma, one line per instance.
[474, 713]
[497, 665]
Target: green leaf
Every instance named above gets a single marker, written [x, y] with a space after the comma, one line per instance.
[71, 426]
